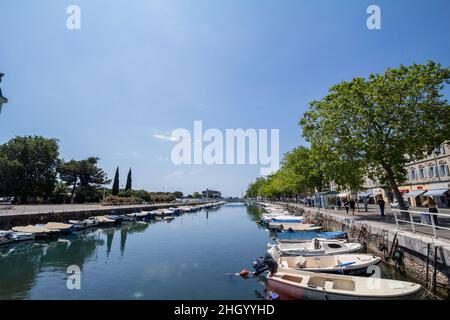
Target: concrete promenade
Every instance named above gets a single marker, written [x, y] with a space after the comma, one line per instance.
[373, 215]
[31, 214]
[7, 210]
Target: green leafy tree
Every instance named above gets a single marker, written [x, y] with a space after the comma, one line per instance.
[59, 194]
[375, 124]
[28, 167]
[85, 178]
[178, 194]
[128, 186]
[115, 187]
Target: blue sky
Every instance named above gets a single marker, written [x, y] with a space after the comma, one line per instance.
[139, 68]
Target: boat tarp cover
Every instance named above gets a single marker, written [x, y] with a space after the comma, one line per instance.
[309, 235]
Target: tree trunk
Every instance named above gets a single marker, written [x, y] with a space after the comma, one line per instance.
[73, 191]
[397, 193]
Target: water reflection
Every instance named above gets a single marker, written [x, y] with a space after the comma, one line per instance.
[22, 263]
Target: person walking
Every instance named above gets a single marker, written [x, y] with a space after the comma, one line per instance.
[352, 205]
[432, 208]
[366, 203]
[346, 205]
[338, 202]
[381, 204]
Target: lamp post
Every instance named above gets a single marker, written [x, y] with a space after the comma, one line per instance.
[3, 99]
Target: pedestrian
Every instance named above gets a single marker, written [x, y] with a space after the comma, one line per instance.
[352, 205]
[338, 202]
[381, 204]
[432, 208]
[366, 203]
[346, 204]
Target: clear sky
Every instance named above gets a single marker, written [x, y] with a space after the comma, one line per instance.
[139, 69]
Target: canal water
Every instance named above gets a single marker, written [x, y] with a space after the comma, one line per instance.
[195, 256]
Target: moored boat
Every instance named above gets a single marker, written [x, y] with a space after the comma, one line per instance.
[39, 231]
[352, 264]
[105, 221]
[6, 237]
[305, 236]
[317, 247]
[59, 227]
[23, 236]
[321, 286]
[282, 218]
[293, 226]
[84, 224]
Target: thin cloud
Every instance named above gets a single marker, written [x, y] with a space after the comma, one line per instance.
[164, 137]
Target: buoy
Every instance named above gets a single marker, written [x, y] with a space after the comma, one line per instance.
[244, 273]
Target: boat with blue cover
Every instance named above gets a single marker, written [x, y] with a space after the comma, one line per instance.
[306, 236]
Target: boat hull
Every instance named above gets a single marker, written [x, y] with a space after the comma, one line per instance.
[311, 294]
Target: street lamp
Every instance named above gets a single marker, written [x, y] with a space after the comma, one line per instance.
[3, 99]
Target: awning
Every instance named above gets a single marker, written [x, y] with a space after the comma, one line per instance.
[435, 192]
[343, 195]
[414, 193]
[368, 193]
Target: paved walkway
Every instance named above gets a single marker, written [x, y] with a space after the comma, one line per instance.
[6, 210]
[373, 215]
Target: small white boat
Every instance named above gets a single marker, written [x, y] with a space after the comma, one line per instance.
[282, 226]
[6, 237]
[103, 220]
[58, 226]
[317, 247]
[84, 224]
[23, 236]
[281, 218]
[322, 286]
[353, 264]
[39, 231]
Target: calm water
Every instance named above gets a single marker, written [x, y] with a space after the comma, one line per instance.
[194, 256]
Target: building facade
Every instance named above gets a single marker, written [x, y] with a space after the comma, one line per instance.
[429, 177]
[211, 194]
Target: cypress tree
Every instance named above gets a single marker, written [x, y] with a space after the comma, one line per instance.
[129, 181]
[115, 187]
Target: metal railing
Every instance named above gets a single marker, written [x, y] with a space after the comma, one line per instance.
[413, 223]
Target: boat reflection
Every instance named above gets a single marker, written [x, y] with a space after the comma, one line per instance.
[23, 262]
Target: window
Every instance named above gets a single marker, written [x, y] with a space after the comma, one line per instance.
[413, 174]
[431, 171]
[443, 169]
[421, 172]
[440, 150]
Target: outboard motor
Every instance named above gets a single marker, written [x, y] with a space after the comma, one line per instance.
[265, 263]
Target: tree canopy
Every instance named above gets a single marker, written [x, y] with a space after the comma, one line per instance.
[28, 167]
[366, 127]
[85, 178]
[374, 125]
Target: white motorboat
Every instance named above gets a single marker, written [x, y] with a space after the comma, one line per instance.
[39, 231]
[23, 236]
[282, 226]
[353, 264]
[281, 218]
[317, 247]
[84, 224]
[322, 286]
[6, 237]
